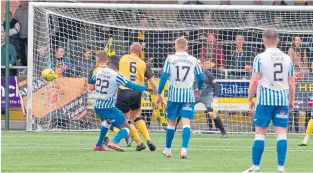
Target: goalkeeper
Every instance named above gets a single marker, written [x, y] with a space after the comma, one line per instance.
[209, 100]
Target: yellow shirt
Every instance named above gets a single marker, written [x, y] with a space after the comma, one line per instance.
[95, 70]
[134, 69]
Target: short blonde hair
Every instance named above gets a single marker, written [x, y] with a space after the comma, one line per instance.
[181, 43]
[102, 55]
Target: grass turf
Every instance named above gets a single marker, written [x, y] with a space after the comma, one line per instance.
[72, 152]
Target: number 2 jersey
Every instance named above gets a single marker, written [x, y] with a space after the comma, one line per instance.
[275, 67]
[107, 82]
[181, 70]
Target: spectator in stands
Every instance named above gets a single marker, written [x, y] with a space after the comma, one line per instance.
[213, 52]
[21, 15]
[240, 59]
[279, 2]
[257, 2]
[309, 2]
[86, 64]
[12, 55]
[62, 65]
[299, 57]
[14, 31]
[193, 2]
[225, 2]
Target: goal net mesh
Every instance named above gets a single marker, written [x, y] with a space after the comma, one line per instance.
[225, 42]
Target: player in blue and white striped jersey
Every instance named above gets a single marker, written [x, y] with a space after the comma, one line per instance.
[273, 79]
[106, 83]
[180, 69]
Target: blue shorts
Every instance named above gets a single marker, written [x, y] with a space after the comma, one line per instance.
[112, 115]
[184, 110]
[278, 114]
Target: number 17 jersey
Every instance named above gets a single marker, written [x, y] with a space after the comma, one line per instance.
[275, 68]
[182, 69]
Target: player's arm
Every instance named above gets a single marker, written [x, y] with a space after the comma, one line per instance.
[199, 74]
[164, 77]
[254, 81]
[215, 85]
[121, 80]
[91, 81]
[150, 77]
[291, 83]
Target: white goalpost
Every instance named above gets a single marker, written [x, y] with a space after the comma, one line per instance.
[224, 38]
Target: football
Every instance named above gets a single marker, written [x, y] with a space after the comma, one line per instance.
[48, 74]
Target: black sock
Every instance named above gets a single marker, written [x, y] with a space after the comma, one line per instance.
[209, 120]
[219, 124]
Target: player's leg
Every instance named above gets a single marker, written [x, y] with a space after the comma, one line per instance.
[262, 119]
[123, 103]
[308, 133]
[217, 121]
[122, 124]
[140, 123]
[280, 121]
[187, 114]
[172, 112]
[105, 126]
[209, 120]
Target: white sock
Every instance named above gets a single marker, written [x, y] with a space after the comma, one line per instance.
[256, 167]
[183, 151]
[280, 167]
[306, 139]
[168, 150]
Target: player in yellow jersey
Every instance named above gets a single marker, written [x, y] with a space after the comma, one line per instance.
[135, 69]
[308, 133]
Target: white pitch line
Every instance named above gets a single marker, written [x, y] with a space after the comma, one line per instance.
[159, 146]
[193, 149]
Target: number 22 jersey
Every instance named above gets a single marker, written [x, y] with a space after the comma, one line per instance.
[106, 83]
[275, 67]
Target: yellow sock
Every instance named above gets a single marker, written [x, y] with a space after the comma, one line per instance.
[134, 134]
[309, 129]
[141, 126]
[107, 135]
[115, 130]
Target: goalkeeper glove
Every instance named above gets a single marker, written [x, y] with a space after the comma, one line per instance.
[214, 105]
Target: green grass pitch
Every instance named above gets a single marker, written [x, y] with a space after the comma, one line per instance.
[72, 152]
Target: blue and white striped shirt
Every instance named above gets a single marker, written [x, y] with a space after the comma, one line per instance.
[275, 67]
[107, 82]
[181, 69]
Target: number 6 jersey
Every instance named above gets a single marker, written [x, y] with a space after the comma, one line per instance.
[182, 69]
[275, 67]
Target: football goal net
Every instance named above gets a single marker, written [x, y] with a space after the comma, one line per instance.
[225, 39]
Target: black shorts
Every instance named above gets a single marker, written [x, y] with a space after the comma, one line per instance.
[128, 100]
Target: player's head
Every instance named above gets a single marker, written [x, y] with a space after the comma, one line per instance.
[59, 52]
[270, 38]
[114, 62]
[101, 56]
[296, 41]
[240, 40]
[181, 44]
[135, 48]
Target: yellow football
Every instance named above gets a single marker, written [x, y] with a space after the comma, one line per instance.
[48, 74]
